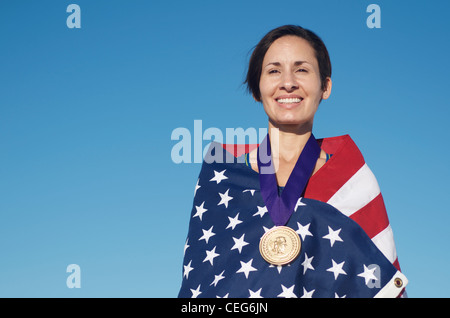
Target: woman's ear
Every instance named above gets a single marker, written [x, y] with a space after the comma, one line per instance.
[327, 90]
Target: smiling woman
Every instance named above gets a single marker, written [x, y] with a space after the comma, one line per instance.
[298, 216]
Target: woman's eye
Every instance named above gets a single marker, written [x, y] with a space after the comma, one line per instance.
[273, 71]
[302, 70]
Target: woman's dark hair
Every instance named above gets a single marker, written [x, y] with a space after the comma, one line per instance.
[257, 57]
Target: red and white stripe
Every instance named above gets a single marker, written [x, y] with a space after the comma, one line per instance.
[347, 183]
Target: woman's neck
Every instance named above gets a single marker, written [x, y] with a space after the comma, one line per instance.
[287, 143]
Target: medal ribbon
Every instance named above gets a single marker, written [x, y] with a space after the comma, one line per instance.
[281, 207]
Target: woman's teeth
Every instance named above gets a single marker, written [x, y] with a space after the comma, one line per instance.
[289, 100]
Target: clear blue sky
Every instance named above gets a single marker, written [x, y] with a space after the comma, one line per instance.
[86, 117]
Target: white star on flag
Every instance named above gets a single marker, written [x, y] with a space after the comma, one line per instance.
[200, 210]
[287, 292]
[239, 243]
[196, 187]
[196, 292]
[186, 246]
[224, 198]
[210, 255]
[266, 229]
[207, 234]
[187, 269]
[307, 294]
[307, 263]
[252, 191]
[217, 278]
[256, 294]
[336, 269]
[246, 268]
[219, 176]
[233, 222]
[368, 274]
[303, 230]
[278, 267]
[261, 211]
[299, 203]
[333, 236]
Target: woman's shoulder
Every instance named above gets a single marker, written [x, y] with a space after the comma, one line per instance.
[342, 146]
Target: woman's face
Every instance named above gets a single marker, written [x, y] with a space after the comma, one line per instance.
[290, 84]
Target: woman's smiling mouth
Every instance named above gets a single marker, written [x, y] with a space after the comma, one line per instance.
[289, 101]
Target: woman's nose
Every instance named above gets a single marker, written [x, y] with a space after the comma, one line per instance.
[288, 82]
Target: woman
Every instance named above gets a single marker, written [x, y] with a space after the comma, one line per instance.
[295, 217]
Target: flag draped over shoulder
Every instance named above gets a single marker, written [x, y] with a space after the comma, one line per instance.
[347, 243]
[347, 183]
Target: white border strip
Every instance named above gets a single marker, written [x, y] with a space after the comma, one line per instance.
[391, 290]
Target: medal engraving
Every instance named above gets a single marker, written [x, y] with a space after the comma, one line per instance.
[280, 246]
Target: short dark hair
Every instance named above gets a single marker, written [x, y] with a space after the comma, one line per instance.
[257, 57]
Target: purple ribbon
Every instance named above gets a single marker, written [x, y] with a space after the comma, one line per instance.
[281, 207]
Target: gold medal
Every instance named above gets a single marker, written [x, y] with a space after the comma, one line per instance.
[280, 245]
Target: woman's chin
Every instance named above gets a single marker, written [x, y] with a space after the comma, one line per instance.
[288, 122]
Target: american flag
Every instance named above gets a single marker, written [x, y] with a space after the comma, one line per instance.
[347, 243]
